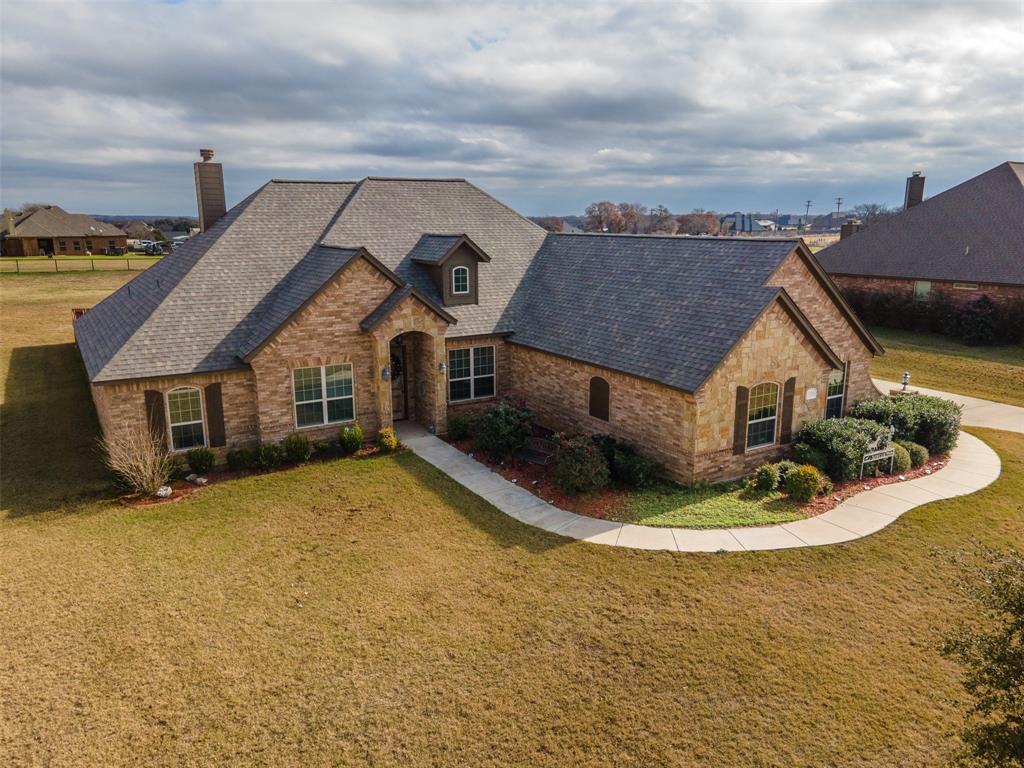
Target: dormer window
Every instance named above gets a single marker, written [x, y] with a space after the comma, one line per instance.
[460, 280]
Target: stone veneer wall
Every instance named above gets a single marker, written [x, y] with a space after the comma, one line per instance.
[829, 321]
[122, 406]
[998, 293]
[773, 349]
[656, 419]
[325, 332]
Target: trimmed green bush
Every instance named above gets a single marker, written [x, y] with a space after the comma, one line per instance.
[387, 441]
[900, 459]
[459, 427]
[929, 421]
[241, 459]
[297, 448]
[269, 456]
[805, 482]
[766, 477]
[844, 443]
[350, 439]
[502, 429]
[785, 466]
[808, 454]
[633, 469]
[200, 460]
[918, 453]
[580, 466]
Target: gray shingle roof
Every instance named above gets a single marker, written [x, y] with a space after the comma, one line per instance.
[54, 221]
[972, 232]
[665, 308]
[431, 249]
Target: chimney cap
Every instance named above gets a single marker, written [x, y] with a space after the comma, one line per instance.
[915, 173]
[206, 154]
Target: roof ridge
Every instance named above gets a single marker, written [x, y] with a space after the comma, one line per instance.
[655, 235]
[509, 208]
[312, 181]
[415, 178]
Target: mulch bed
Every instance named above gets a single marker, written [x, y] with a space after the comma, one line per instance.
[538, 480]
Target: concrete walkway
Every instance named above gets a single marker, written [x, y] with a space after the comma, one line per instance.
[977, 412]
[972, 466]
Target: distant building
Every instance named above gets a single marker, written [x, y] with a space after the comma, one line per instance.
[50, 230]
[138, 230]
[746, 222]
[965, 242]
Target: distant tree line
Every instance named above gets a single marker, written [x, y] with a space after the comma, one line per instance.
[637, 219]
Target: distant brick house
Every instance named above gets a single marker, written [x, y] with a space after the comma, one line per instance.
[52, 231]
[311, 305]
[966, 242]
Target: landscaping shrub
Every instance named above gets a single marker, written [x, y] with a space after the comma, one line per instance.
[900, 459]
[502, 429]
[350, 439]
[459, 426]
[1009, 322]
[580, 466]
[241, 459]
[633, 469]
[977, 322]
[808, 454]
[785, 466]
[200, 460]
[766, 477]
[923, 419]
[297, 448]
[140, 460]
[387, 441]
[269, 456]
[918, 453]
[844, 443]
[805, 482]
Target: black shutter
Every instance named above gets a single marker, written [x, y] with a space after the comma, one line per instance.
[739, 431]
[786, 433]
[215, 416]
[155, 413]
[599, 397]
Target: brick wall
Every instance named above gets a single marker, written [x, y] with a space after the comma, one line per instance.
[122, 406]
[325, 332]
[655, 419]
[998, 293]
[502, 371]
[773, 350]
[829, 321]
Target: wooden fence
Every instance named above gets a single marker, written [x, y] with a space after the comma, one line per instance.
[32, 265]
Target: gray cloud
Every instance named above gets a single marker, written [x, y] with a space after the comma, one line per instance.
[724, 105]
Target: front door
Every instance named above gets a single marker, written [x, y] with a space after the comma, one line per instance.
[399, 380]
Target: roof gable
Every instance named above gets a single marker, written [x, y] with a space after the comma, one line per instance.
[54, 221]
[435, 250]
[973, 231]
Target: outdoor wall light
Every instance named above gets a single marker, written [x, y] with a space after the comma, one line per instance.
[385, 373]
[442, 367]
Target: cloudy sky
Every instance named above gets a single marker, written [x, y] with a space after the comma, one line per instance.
[751, 106]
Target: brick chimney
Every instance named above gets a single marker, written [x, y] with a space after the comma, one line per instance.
[8, 222]
[209, 190]
[915, 190]
[849, 227]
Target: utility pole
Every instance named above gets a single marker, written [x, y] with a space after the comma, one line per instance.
[839, 204]
[807, 214]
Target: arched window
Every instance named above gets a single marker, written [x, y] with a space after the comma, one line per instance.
[185, 417]
[762, 413]
[460, 280]
[599, 397]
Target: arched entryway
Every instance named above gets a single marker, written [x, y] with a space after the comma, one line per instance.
[413, 378]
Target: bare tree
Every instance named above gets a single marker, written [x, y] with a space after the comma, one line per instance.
[698, 224]
[632, 216]
[662, 222]
[29, 207]
[140, 459]
[870, 213]
[604, 216]
[551, 223]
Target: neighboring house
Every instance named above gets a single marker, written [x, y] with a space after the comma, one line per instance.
[966, 242]
[311, 305]
[137, 230]
[51, 230]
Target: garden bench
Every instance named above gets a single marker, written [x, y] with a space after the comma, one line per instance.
[537, 450]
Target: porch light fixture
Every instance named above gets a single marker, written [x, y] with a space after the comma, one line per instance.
[385, 373]
[442, 367]
[906, 380]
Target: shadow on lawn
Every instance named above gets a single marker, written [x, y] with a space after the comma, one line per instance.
[48, 429]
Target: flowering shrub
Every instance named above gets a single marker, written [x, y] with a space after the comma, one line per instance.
[350, 439]
[580, 466]
[386, 440]
[502, 429]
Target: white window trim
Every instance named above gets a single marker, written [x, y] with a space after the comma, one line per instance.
[841, 395]
[170, 426]
[775, 418]
[471, 378]
[966, 286]
[457, 292]
[323, 398]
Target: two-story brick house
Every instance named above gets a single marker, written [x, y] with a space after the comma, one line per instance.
[310, 305]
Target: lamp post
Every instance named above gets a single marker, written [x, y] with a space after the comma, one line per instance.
[906, 380]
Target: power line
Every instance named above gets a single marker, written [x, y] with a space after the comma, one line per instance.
[839, 204]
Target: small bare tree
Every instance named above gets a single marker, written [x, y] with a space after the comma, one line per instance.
[140, 459]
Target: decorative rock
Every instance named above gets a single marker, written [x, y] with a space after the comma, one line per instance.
[163, 492]
[515, 480]
[927, 471]
[191, 478]
[903, 477]
[536, 482]
[201, 481]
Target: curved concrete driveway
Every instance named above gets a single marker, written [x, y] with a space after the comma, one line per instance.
[972, 466]
[977, 412]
